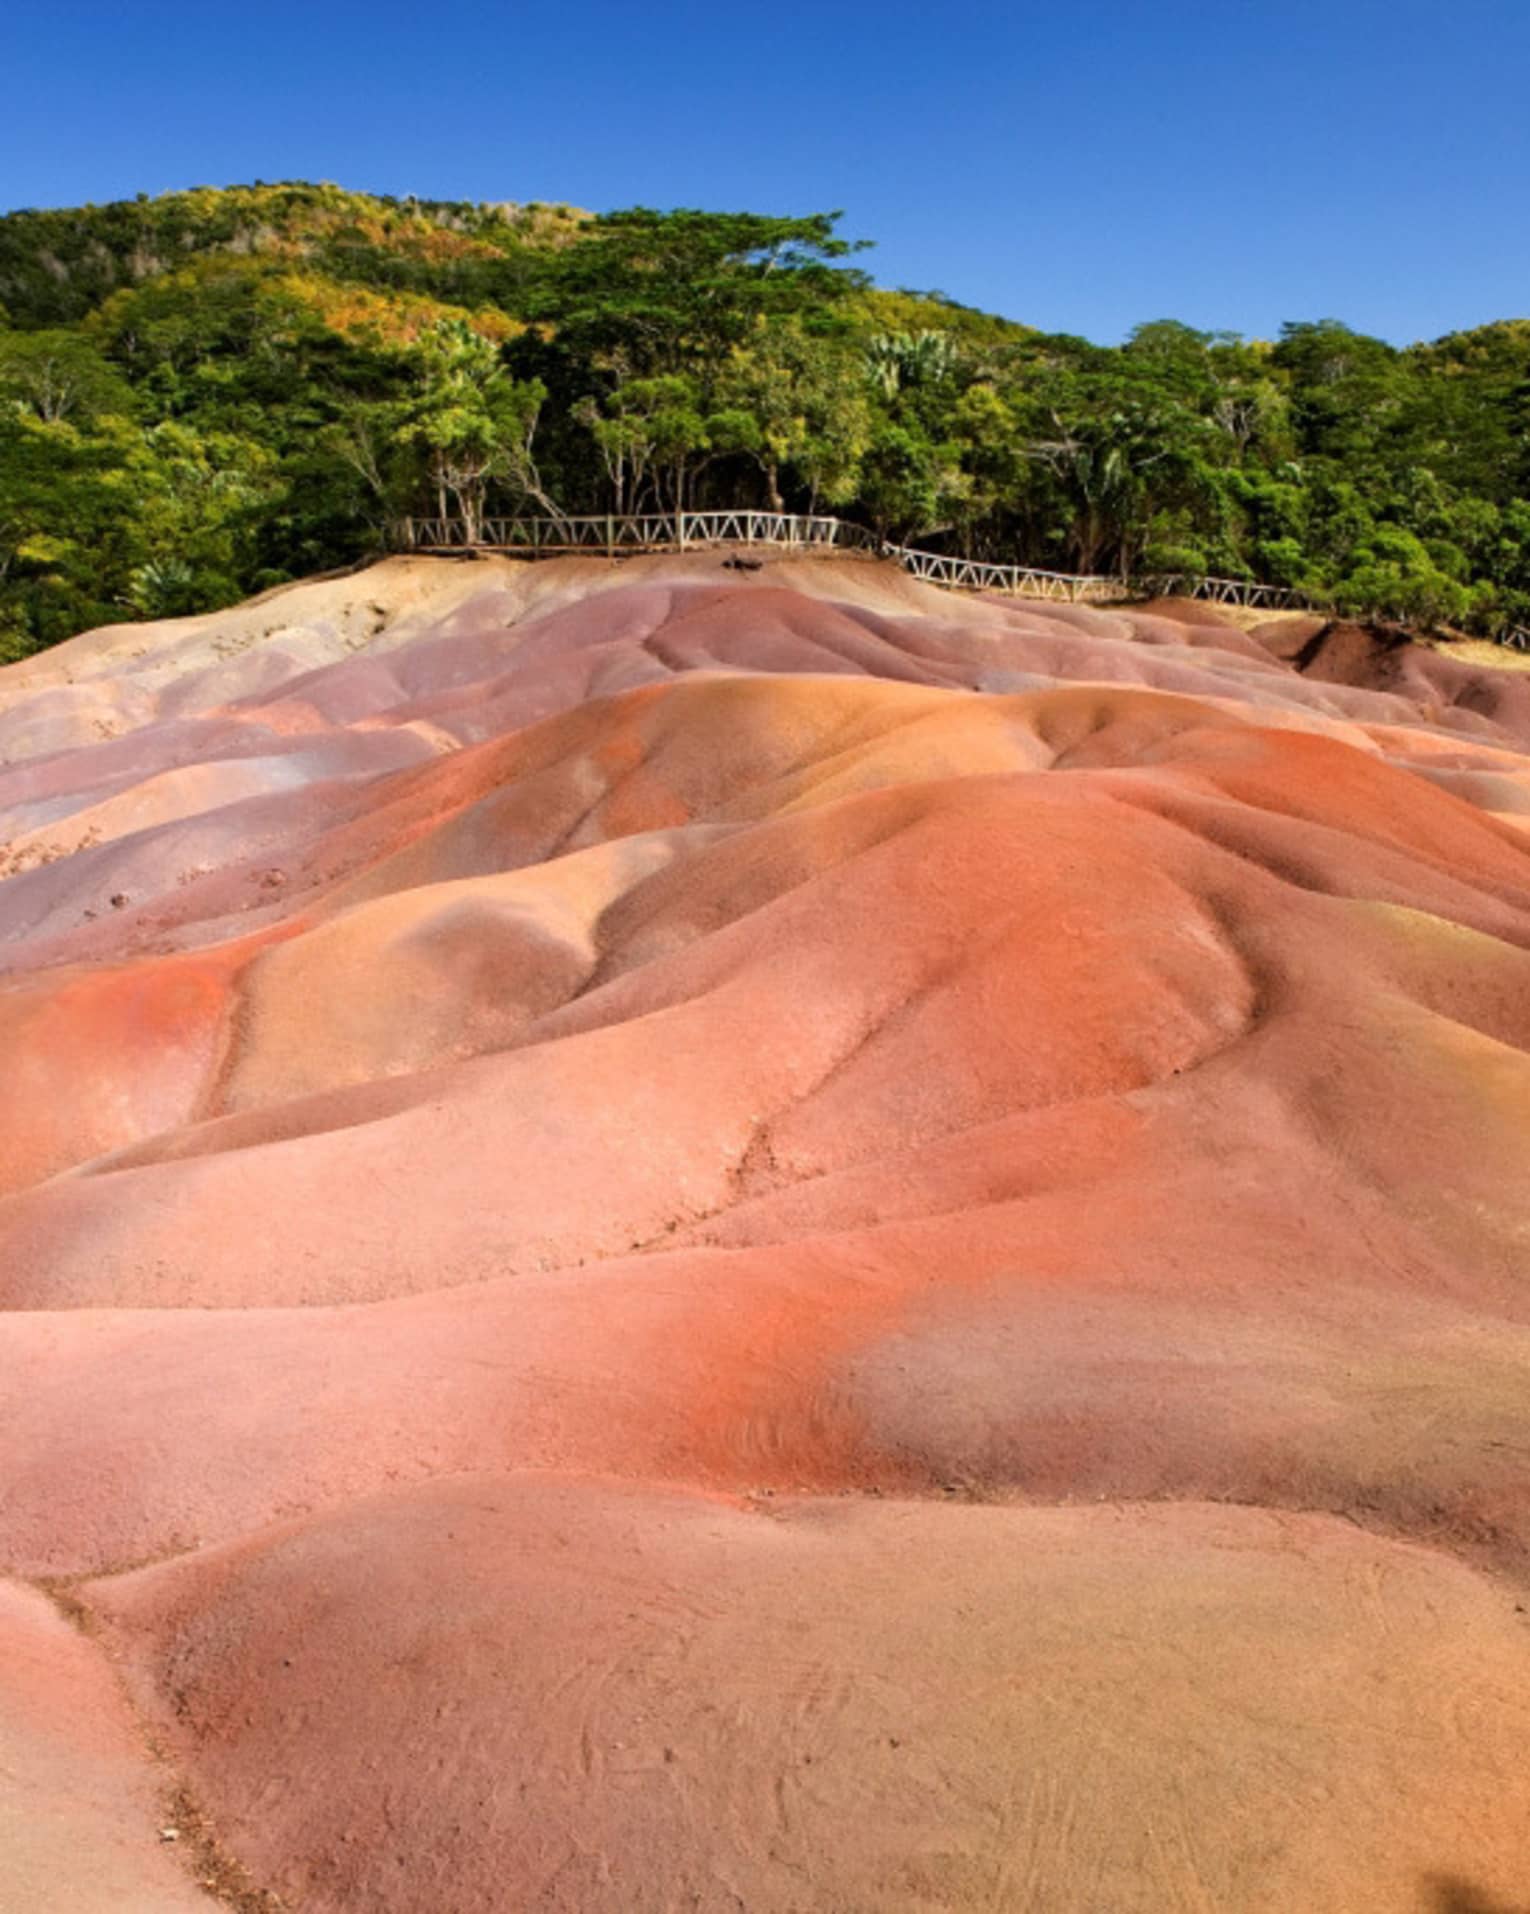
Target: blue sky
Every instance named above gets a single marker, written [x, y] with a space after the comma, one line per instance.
[1081, 166]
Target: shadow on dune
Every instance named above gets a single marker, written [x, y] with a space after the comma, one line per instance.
[1450, 1894]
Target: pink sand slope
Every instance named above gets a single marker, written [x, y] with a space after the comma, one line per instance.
[675, 1238]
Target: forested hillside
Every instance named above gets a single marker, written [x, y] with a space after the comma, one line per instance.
[209, 393]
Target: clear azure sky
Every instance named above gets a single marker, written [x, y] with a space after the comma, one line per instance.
[1082, 165]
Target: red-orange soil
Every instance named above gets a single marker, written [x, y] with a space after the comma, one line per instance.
[675, 1239]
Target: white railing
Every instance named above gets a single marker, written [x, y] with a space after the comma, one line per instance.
[1021, 581]
[643, 532]
[615, 534]
[1231, 591]
[691, 531]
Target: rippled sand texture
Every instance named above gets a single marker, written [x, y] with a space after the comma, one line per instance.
[686, 1238]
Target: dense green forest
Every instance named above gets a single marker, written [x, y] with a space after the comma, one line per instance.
[209, 393]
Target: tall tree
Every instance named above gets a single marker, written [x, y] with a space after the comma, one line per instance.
[473, 424]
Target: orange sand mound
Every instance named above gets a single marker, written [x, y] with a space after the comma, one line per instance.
[644, 1213]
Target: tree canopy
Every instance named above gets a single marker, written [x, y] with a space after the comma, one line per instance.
[208, 393]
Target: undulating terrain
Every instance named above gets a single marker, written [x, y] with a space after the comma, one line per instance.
[699, 1235]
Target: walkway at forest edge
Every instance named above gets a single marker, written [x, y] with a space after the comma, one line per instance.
[615, 536]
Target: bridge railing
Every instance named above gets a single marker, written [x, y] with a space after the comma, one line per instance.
[615, 534]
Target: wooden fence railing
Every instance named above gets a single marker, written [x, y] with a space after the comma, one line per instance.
[789, 531]
[645, 532]
[1020, 581]
[616, 535]
[1230, 591]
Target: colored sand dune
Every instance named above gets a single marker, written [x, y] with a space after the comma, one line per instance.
[680, 1238]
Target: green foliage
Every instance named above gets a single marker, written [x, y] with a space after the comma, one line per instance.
[469, 422]
[897, 360]
[56, 267]
[1394, 573]
[58, 376]
[792, 399]
[209, 392]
